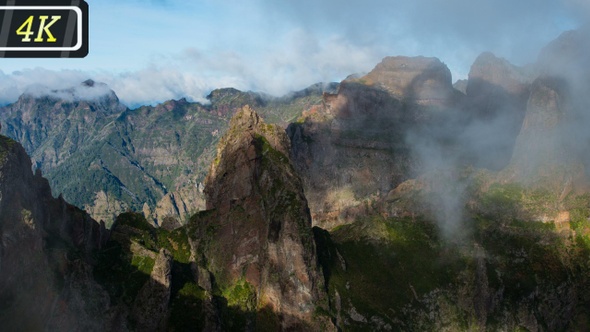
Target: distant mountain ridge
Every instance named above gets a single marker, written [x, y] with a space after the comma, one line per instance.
[107, 159]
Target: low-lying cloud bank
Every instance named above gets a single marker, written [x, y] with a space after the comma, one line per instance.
[192, 74]
[306, 42]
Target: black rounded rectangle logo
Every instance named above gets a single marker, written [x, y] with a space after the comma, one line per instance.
[58, 29]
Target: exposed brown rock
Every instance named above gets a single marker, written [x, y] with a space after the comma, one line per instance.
[490, 71]
[178, 206]
[418, 79]
[351, 149]
[105, 207]
[259, 229]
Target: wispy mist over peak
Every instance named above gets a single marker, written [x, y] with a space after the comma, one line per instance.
[525, 125]
[87, 90]
[36, 81]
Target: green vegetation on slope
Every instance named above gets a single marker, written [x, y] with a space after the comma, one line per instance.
[399, 273]
[125, 265]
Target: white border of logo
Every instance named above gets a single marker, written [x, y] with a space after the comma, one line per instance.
[78, 28]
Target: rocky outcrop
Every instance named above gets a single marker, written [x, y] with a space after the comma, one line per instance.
[45, 253]
[545, 151]
[414, 79]
[150, 310]
[359, 144]
[178, 206]
[550, 152]
[105, 207]
[497, 93]
[257, 235]
[489, 71]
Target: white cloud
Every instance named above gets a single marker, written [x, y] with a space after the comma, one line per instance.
[179, 49]
[76, 92]
[302, 60]
[37, 79]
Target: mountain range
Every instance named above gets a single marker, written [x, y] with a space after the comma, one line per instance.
[107, 159]
[393, 200]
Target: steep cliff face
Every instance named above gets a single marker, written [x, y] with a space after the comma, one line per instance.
[359, 144]
[497, 94]
[488, 73]
[257, 235]
[45, 253]
[404, 119]
[551, 150]
[543, 155]
[247, 263]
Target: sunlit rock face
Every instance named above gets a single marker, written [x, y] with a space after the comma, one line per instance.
[356, 147]
[417, 79]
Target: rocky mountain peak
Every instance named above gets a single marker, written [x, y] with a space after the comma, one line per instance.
[490, 70]
[548, 152]
[545, 153]
[238, 151]
[259, 229]
[497, 93]
[171, 105]
[87, 91]
[228, 100]
[419, 79]
[566, 55]
[89, 82]
[67, 117]
[246, 118]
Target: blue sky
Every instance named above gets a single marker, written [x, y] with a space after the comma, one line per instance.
[149, 51]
